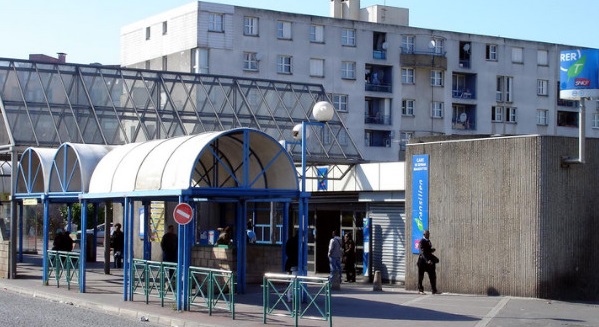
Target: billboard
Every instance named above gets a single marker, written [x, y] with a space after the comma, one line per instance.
[579, 74]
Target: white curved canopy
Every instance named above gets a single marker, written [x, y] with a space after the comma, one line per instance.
[33, 170]
[239, 158]
[73, 166]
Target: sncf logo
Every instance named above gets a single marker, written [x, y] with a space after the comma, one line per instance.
[582, 82]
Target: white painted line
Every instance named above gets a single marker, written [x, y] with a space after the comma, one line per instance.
[415, 300]
[487, 319]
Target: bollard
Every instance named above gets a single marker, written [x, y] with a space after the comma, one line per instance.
[336, 282]
[377, 284]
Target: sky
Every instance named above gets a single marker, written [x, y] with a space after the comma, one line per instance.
[88, 31]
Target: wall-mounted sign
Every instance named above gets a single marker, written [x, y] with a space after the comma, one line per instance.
[420, 168]
[29, 202]
[579, 74]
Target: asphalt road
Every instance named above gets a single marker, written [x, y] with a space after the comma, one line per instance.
[18, 310]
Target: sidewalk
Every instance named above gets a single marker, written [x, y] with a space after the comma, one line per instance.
[354, 305]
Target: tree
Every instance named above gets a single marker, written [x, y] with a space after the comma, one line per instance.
[76, 214]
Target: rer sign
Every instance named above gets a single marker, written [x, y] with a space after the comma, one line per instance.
[579, 74]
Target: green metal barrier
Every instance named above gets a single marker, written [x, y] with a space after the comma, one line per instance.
[154, 279]
[299, 297]
[63, 265]
[213, 288]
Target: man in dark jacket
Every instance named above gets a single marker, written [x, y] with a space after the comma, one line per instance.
[426, 263]
[117, 242]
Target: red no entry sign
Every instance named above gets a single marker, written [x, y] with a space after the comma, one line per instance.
[183, 213]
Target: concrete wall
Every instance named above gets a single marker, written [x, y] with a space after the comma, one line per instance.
[4, 256]
[507, 219]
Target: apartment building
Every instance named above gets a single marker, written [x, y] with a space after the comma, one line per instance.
[389, 81]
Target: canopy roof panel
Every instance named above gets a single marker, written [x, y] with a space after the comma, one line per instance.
[34, 170]
[73, 166]
[240, 158]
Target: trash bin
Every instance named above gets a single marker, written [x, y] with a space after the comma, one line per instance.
[90, 249]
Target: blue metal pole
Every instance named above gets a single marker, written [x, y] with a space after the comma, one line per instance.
[20, 229]
[147, 235]
[126, 249]
[83, 247]
[303, 213]
[46, 235]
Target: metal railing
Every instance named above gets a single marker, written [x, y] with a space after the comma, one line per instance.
[209, 288]
[63, 265]
[213, 288]
[154, 279]
[299, 297]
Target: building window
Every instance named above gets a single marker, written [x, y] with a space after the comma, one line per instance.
[284, 64]
[348, 69]
[407, 75]
[404, 139]
[215, 22]
[148, 33]
[407, 43]
[542, 58]
[407, 107]
[317, 67]
[542, 87]
[511, 115]
[491, 52]
[595, 120]
[348, 37]
[250, 26]
[504, 89]
[339, 102]
[497, 114]
[250, 62]
[164, 28]
[542, 117]
[317, 33]
[437, 109]
[436, 78]
[283, 30]
[567, 118]
[199, 61]
[439, 45]
[517, 55]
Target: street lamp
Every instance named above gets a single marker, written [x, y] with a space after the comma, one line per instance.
[322, 112]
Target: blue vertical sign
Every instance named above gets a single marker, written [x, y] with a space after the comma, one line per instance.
[419, 198]
[366, 246]
[322, 179]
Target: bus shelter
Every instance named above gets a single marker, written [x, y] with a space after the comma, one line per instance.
[240, 165]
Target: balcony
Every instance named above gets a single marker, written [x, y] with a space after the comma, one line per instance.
[377, 111]
[428, 58]
[378, 78]
[379, 45]
[464, 117]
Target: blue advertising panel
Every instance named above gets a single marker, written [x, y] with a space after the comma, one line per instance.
[322, 179]
[420, 170]
[579, 74]
[366, 237]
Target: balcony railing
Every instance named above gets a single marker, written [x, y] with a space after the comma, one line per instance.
[378, 87]
[379, 54]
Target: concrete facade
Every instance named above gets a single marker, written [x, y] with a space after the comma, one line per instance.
[508, 218]
[483, 84]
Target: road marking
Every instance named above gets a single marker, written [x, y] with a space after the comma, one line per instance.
[487, 319]
[415, 300]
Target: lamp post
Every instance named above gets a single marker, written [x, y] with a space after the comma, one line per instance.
[322, 112]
